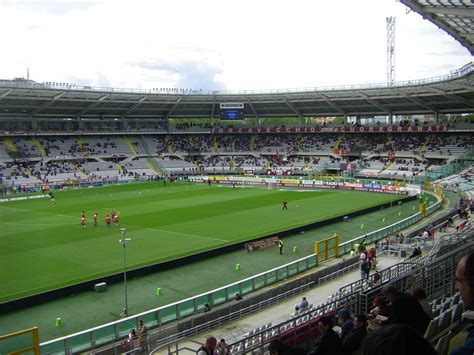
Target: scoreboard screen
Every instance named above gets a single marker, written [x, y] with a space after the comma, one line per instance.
[232, 114]
[232, 111]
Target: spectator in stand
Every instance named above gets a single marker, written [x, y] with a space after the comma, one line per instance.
[131, 336]
[142, 329]
[222, 348]
[396, 339]
[380, 307]
[465, 284]
[420, 295]
[302, 305]
[354, 341]
[327, 342]
[416, 252]
[277, 347]
[208, 347]
[344, 319]
[376, 278]
[405, 309]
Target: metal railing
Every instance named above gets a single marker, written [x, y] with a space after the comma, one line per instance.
[115, 331]
[358, 297]
[374, 236]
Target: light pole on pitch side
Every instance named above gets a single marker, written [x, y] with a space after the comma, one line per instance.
[124, 242]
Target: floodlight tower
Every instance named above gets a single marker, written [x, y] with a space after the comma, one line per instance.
[391, 50]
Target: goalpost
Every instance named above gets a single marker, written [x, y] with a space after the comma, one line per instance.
[271, 185]
[327, 248]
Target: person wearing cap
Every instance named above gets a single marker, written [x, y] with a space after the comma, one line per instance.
[345, 321]
[405, 309]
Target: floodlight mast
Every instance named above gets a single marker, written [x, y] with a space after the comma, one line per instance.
[391, 21]
[124, 242]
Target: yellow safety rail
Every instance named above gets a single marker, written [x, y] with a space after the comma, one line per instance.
[190, 141]
[154, 167]
[338, 143]
[388, 166]
[80, 143]
[26, 169]
[118, 166]
[216, 144]
[423, 147]
[130, 145]
[253, 139]
[9, 144]
[169, 146]
[299, 142]
[35, 348]
[40, 147]
[76, 167]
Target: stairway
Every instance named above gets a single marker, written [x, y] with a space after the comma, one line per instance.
[338, 143]
[152, 162]
[80, 143]
[299, 142]
[169, 146]
[216, 144]
[119, 167]
[387, 167]
[129, 143]
[152, 165]
[9, 144]
[253, 139]
[40, 147]
[422, 149]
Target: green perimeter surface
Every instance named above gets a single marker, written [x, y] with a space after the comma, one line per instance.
[44, 246]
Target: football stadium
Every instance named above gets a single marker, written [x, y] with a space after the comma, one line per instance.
[159, 221]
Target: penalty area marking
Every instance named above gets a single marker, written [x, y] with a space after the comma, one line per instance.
[177, 233]
[300, 190]
[39, 224]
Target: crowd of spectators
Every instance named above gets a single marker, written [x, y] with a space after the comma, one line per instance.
[228, 153]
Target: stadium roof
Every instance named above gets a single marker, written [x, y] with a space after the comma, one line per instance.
[452, 93]
[454, 16]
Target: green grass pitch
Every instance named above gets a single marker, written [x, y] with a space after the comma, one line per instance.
[44, 246]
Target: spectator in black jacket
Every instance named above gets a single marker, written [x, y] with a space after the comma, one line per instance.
[405, 309]
[396, 339]
[328, 342]
[354, 341]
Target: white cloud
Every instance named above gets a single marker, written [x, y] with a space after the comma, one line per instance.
[212, 44]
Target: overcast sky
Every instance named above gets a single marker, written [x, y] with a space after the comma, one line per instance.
[219, 44]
